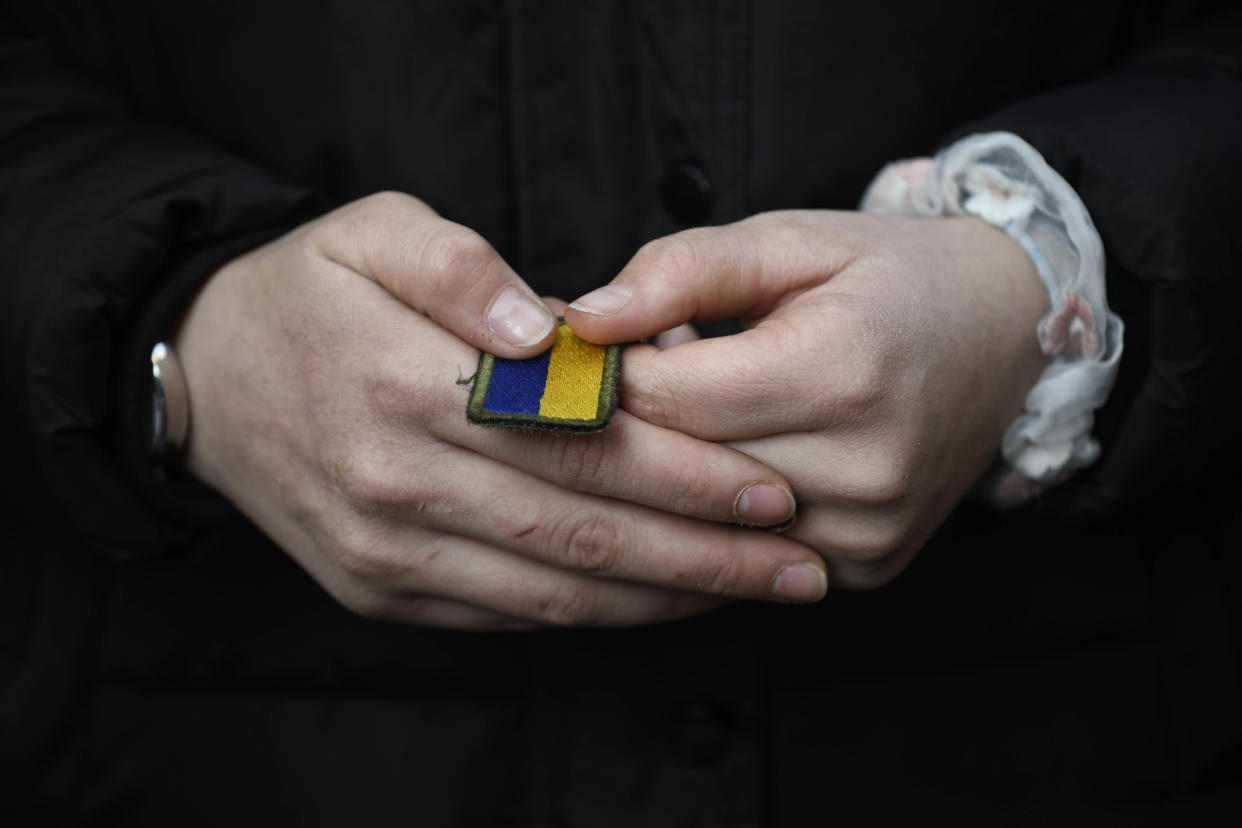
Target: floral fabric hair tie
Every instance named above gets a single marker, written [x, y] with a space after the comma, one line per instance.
[1003, 180]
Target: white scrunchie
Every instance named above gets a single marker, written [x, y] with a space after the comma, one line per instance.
[1004, 181]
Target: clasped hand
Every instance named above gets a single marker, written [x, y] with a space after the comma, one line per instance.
[323, 371]
[882, 361]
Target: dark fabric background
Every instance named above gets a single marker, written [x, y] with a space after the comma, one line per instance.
[162, 664]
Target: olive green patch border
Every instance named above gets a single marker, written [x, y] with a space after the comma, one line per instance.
[475, 412]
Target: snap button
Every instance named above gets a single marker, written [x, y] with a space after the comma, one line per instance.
[687, 193]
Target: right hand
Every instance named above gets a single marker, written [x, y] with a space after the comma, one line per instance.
[323, 371]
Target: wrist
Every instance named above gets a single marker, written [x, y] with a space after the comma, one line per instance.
[1001, 179]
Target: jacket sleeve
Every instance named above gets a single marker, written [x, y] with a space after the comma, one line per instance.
[108, 225]
[1154, 148]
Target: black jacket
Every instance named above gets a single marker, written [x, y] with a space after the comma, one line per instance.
[163, 664]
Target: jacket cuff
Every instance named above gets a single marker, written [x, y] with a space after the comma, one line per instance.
[179, 502]
[1151, 148]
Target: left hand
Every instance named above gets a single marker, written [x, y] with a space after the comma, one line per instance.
[882, 361]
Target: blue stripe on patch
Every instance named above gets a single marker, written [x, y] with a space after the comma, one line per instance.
[517, 385]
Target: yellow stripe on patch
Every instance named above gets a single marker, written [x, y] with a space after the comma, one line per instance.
[575, 372]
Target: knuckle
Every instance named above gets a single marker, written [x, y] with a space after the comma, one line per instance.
[872, 575]
[887, 482]
[861, 388]
[420, 610]
[365, 486]
[869, 353]
[698, 484]
[381, 207]
[727, 577]
[364, 604]
[788, 229]
[373, 483]
[317, 235]
[366, 558]
[588, 543]
[455, 254]
[384, 201]
[356, 553]
[654, 402]
[582, 460]
[670, 257]
[568, 606]
[879, 542]
[395, 396]
[362, 600]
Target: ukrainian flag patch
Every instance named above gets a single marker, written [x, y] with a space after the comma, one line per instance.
[570, 387]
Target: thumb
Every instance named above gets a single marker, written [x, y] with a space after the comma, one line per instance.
[708, 273]
[442, 270]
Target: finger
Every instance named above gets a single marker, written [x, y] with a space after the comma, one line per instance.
[556, 305]
[630, 460]
[709, 273]
[755, 383]
[476, 575]
[857, 496]
[426, 611]
[440, 269]
[675, 336]
[634, 461]
[858, 547]
[416, 576]
[611, 538]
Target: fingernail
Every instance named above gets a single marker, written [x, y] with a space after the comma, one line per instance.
[762, 504]
[800, 583]
[605, 300]
[517, 319]
[784, 527]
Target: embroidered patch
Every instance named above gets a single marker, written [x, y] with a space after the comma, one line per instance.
[570, 387]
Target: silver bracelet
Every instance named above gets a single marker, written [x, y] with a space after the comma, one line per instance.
[170, 406]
